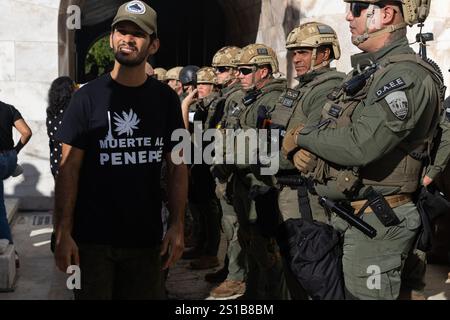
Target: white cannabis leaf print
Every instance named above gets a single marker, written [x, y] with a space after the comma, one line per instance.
[127, 124]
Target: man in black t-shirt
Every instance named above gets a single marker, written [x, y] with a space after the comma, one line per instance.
[115, 133]
[9, 118]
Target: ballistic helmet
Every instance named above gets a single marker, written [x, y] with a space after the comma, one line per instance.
[188, 75]
[258, 55]
[414, 11]
[206, 75]
[160, 74]
[174, 73]
[314, 35]
[225, 57]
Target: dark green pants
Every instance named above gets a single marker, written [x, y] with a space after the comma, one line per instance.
[208, 214]
[265, 277]
[120, 273]
[236, 258]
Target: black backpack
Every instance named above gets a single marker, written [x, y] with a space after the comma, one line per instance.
[431, 205]
[313, 252]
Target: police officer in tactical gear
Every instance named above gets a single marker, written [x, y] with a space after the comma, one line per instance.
[203, 203]
[188, 79]
[313, 46]
[373, 129]
[257, 64]
[173, 79]
[232, 276]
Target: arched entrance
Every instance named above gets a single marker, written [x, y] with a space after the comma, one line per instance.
[190, 31]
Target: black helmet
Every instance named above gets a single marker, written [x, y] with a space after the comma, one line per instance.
[188, 75]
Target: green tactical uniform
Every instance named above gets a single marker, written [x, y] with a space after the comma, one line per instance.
[265, 272]
[302, 105]
[203, 203]
[230, 224]
[413, 278]
[372, 134]
[443, 150]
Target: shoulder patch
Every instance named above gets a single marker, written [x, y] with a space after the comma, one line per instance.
[390, 86]
[398, 103]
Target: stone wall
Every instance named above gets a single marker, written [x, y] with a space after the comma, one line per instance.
[28, 64]
[29, 60]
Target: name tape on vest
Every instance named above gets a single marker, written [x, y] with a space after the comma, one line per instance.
[391, 86]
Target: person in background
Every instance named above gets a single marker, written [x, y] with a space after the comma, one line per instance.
[59, 95]
[9, 117]
[173, 80]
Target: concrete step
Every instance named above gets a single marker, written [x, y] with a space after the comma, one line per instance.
[7, 269]
[12, 207]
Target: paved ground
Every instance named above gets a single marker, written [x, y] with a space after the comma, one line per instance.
[38, 278]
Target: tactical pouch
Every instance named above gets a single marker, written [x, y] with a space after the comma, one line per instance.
[380, 207]
[262, 121]
[251, 97]
[347, 182]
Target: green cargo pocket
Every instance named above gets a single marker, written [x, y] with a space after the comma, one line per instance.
[412, 220]
[377, 278]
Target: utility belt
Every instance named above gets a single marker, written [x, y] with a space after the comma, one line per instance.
[376, 203]
[393, 201]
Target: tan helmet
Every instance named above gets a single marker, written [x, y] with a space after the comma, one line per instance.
[160, 74]
[226, 57]
[206, 75]
[314, 35]
[258, 55]
[174, 73]
[414, 11]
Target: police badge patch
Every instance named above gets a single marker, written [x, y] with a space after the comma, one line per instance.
[398, 103]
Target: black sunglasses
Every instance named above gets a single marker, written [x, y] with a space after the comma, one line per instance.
[245, 71]
[357, 7]
[222, 69]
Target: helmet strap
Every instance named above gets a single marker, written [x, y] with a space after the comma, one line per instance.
[370, 17]
[313, 66]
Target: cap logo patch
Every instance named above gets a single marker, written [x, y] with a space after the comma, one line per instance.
[136, 7]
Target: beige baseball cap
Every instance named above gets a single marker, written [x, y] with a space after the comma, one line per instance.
[138, 12]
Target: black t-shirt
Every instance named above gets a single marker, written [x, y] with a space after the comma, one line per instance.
[8, 115]
[125, 132]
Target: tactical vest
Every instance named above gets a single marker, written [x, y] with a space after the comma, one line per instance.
[253, 98]
[401, 168]
[233, 117]
[291, 101]
[215, 107]
[230, 117]
[203, 108]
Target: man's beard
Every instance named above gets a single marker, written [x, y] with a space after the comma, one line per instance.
[128, 61]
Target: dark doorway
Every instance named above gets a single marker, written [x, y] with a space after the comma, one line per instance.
[190, 31]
